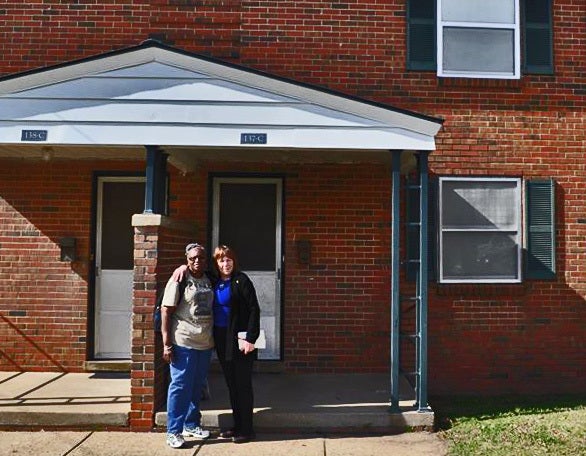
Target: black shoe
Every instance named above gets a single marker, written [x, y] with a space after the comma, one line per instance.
[242, 438]
[227, 434]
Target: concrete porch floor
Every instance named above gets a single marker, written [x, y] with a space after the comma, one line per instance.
[283, 402]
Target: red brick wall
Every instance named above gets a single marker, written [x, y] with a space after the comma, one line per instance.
[43, 301]
[527, 337]
[355, 47]
[482, 338]
[35, 34]
[337, 307]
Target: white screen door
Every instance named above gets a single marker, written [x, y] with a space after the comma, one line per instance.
[247, 217]
[118, 199]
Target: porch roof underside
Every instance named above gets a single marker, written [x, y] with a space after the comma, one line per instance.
[155, 95]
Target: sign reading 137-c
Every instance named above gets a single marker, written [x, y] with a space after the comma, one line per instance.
[33, 135]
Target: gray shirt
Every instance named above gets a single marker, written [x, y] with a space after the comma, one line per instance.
[192, 322]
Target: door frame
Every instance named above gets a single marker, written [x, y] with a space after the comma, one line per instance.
[213, 232]
[95, 246]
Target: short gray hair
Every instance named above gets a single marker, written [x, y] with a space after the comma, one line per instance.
[193, 245]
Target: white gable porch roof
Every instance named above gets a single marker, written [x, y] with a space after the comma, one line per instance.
[156, 95]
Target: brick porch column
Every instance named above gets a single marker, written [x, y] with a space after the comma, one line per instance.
[158, 249]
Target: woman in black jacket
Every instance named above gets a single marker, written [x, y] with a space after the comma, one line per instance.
[236, 329]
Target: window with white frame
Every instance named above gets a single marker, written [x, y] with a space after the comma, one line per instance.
[478, 38]
[480, 230]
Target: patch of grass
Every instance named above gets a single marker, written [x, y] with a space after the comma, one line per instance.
[513, 425]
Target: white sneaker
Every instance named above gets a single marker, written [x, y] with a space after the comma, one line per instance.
[197, 432]
[175, 440]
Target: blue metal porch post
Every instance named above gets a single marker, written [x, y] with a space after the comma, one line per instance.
[395, 295]
[422, 405]
[156, 169]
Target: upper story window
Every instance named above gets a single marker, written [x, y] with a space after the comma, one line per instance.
[480, 38]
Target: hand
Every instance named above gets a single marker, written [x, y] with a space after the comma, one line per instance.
[246, 347]
[179, 273]
[168, 353]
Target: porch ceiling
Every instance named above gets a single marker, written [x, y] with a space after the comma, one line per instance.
[187, 159]
[191, 106]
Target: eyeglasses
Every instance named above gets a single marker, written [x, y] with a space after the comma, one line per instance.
[197, 257]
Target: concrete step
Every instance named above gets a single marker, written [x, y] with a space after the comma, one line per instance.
[317, 403]
[302, 403]
[373, 420]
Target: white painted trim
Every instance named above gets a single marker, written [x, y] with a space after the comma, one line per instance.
[394, 119]
[98, 254]
[518, 223]
[220, 136]
[515, 27]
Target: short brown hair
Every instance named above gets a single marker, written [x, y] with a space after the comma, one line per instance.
[225, 251]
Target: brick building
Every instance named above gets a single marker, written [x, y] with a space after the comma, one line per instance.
[405, 187]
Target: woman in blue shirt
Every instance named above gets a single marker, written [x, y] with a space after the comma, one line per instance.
[236, 310]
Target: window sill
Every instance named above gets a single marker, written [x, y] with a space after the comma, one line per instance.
[482, 83]
[482, 289]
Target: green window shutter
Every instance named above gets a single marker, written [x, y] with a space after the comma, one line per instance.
[538, 37]
[421, 35]
[412, 230]
[540, 229]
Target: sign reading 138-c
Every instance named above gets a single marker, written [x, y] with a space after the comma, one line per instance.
[33, 135]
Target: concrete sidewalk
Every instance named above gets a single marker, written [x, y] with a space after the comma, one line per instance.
[153, 444]
[68, 400]
[291, 403]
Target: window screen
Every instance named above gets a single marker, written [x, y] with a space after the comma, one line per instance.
[480, 230]
[120, 201]
[248, 223]
[478, 38]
